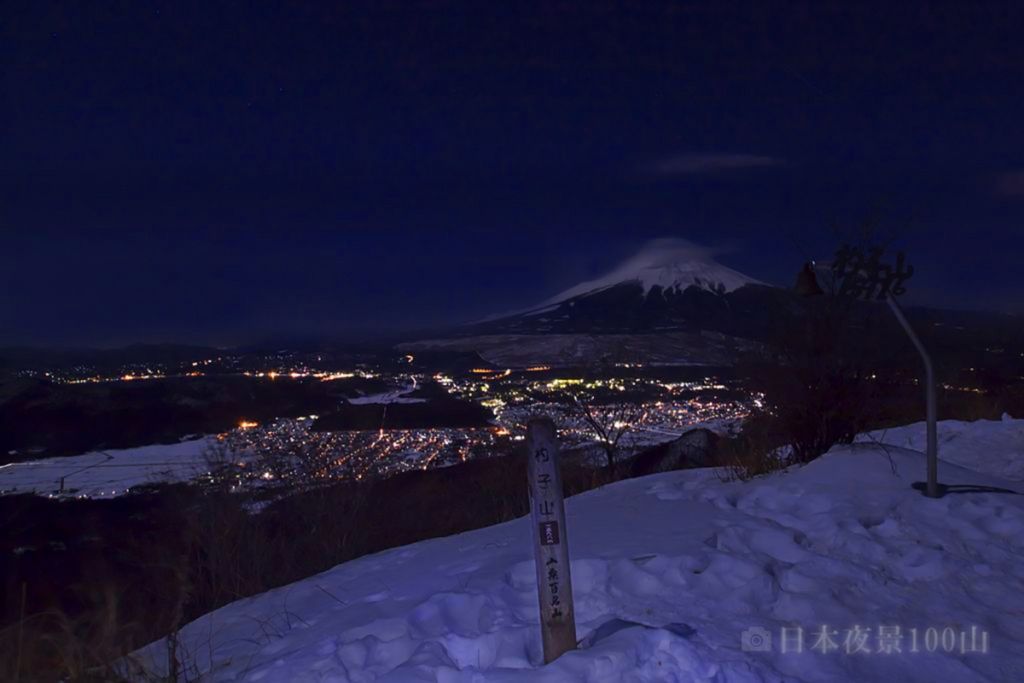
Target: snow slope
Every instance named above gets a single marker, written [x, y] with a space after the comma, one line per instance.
[984, 445]
[693, 562]
[105, 474]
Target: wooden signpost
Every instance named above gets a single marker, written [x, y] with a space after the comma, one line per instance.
[550, 545]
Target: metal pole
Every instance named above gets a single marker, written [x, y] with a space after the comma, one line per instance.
[932, 490]
[550, 546]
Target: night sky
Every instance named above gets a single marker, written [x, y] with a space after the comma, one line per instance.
[222, 172]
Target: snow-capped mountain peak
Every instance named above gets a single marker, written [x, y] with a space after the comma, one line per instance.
[666, 263]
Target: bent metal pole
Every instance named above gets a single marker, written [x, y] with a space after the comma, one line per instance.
[932, 487]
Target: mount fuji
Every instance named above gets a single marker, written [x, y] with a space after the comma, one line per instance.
[669, 285]
[670, 303]
[668, 265]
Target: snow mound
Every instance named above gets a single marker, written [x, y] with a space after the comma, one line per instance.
[672, 264]
[993, 446]
[672, 574]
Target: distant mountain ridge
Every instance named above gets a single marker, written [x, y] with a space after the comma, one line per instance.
[42, 358]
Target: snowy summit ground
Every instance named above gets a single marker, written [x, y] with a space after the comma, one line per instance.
[682, 577]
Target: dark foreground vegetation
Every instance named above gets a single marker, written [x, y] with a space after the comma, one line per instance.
[86, 582]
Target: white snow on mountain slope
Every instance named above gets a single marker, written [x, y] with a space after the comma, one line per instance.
[669, 264]
[842, 543]
[106, 474]
[988, 441]
[397, 395]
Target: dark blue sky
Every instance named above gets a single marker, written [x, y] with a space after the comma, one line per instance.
[219, 172]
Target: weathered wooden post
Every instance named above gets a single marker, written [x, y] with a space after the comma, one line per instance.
[550, 545]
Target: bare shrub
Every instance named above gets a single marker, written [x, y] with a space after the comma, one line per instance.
[760, 448]
[54, 645]
[607, 423]
[815, 376]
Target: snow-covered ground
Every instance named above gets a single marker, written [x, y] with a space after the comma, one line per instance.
[105, 474]
[393, 396]
[979, 446]
[839, 559]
